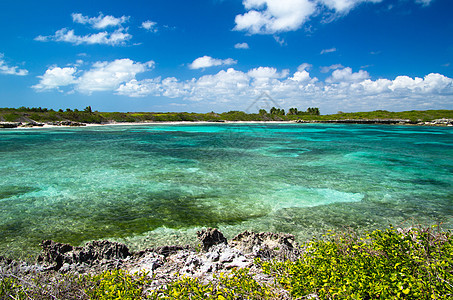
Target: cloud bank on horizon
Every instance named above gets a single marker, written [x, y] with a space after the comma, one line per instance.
[335, 86]
[350, 89]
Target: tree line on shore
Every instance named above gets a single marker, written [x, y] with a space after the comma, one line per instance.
[88, 115]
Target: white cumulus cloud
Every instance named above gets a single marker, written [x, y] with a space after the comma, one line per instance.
[346, 75]
[241, 46]
[431, 83]
[327, 69]
[304, 66]
[277, 16]
[223, 83]
[56, 77]
[108, 76]
[233, 89]
[150, 26]
[267, 73]
[173, 88]
[274, 16]
[207, 61]
[101, 76]
[301, 76]
[344, 6]
[142, 88]
[118, 37]
[369, 86]
[5, 69]
[112, 38]
[99, 22]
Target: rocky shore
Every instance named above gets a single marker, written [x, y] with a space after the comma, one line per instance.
[436, 122]
[213, 255]
[37, 124]
[249, 266]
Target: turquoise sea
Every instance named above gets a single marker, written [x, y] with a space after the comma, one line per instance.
[158, 184]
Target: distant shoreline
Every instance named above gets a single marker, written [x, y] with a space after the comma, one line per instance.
[39, 117]
[438, 122]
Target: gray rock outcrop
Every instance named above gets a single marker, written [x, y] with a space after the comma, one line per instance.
[56, 255]
[210, 237]
[164, 263]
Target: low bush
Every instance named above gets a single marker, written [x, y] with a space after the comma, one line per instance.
[388, 264]
[117, 284]
[10, 287]
[13, 117]
[239, 284]
[42, 285]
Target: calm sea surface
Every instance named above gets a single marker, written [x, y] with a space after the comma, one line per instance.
[158, 184]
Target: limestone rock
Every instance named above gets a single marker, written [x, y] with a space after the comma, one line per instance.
[57, 254]
[266, 244]
[210, 237]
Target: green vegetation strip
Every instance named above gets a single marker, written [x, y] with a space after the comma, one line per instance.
[387, 264]
[25, 114]
[417, 264]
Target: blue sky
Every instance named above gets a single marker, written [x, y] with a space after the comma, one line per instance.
[220, 55]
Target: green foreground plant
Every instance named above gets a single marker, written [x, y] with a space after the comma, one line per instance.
[389, 264]
[120, 284]
[385, 264]
[117, 284]
[239, 284]
[10, 287]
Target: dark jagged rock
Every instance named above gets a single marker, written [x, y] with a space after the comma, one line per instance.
[31, 124]
[66, 123]
[57, 254]
[210, 237]
[98, 250]
[54, 254]
[163, 262]
[9, 124]
[266, 244]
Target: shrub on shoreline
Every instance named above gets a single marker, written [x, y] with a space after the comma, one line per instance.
[387, 264]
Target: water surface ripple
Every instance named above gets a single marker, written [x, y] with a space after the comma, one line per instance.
[157, 184]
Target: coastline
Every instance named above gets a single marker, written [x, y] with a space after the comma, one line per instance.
[437, 123]
[5, 125]
[249, 266]
[214, 256]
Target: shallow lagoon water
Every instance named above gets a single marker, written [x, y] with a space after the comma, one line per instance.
[158, 184]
